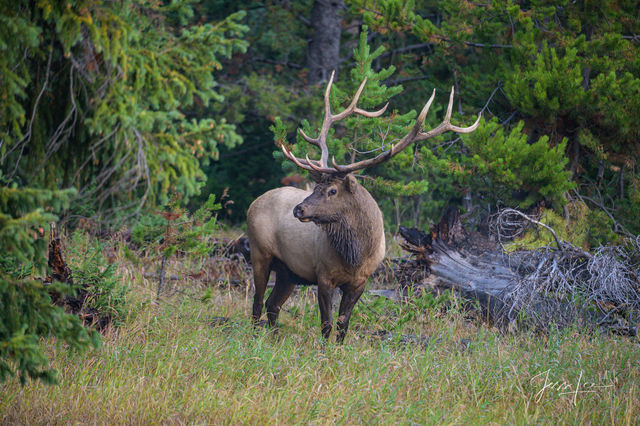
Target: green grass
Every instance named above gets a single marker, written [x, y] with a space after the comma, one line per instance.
[168, 364]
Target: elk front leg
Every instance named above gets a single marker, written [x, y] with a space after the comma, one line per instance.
[325, 299]
[350, 295]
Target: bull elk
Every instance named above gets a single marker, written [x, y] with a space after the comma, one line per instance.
[332, 236]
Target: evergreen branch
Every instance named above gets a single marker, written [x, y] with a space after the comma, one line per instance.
[370, 37]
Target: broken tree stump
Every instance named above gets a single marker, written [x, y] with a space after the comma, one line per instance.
[451, 265]
[75, 302]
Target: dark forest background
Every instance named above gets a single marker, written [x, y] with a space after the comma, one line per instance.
[110, 109]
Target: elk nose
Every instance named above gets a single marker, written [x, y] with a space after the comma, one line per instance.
[298, 212]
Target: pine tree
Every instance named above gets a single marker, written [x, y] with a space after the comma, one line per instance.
[510, 171]
[357, 137]
[26, 311]
[101, 96]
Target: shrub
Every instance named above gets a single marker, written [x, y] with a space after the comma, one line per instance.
[105, 299]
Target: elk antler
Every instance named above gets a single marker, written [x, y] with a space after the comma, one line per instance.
[414, 135]
[321, 141]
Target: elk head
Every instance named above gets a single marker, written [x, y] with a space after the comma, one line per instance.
[332, 197]
[345, 210]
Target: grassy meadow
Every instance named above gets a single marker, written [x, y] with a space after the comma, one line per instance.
[176, 361]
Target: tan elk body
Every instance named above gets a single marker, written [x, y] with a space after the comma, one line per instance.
[332, 236]
[342, 253]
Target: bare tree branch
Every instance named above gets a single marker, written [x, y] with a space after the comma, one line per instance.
[486, 105]
[27, 137]
[405, 80]
[617, 227]
[408, 48]
[506, 227]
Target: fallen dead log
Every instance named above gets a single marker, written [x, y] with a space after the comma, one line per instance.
[467, 264]
[534, 287]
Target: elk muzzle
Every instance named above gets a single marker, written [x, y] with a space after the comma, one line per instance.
[298, 212]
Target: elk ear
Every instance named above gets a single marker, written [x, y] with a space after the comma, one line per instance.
[350, 183]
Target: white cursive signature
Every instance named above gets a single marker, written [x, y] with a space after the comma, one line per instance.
[564, 387]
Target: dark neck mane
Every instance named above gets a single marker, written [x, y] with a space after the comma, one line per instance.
[344, 241]
[354, 239]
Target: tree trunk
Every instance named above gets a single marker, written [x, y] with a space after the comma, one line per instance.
[323, 52]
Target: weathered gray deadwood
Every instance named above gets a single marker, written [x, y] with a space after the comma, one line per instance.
[451, 260]
[562, 285]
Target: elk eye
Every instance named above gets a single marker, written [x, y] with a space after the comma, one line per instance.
[332, 191]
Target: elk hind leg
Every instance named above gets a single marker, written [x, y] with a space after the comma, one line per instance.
[280, 293]
[261, 271]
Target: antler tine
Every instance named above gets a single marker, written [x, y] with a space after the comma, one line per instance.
[309, 139]
[304, 164]
[292, 157]
[469, 129]
[447, 117]
[335, 165]
[352, 106]
[425, 109]
[313, 166]
[446, 124]
[327, 92]
[321, 140]
[371, 114]
[330, 118]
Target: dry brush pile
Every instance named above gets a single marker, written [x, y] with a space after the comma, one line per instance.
[564, 282]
